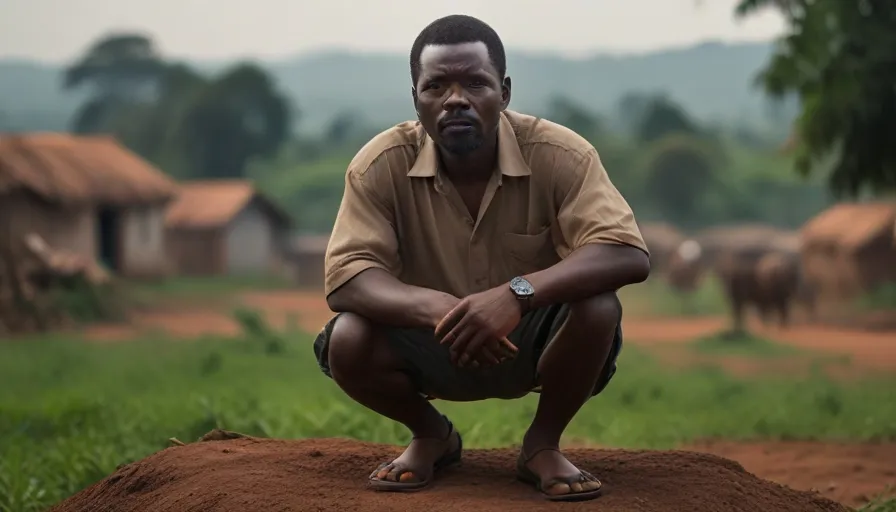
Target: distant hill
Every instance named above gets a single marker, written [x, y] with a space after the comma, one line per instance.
[713, 81]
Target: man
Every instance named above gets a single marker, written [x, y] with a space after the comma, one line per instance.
[476, 254]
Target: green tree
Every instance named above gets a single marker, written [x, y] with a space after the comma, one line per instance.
[838, 57]
[660, 116]
[681, 176]
[231, 120]
[120, 69]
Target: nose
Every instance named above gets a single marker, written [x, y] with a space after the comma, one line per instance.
[456, 99]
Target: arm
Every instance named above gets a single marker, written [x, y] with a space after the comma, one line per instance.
[590, 270]
[603, 249]
[363, 260]
[375, 293]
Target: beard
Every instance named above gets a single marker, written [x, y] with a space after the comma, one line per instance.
[464, 144]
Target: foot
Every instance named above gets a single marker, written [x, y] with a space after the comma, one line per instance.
[557, 476]
[418, 462]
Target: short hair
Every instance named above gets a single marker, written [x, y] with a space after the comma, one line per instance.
[458, 29]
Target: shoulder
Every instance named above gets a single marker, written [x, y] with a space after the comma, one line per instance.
[392, 150]
[551, 149]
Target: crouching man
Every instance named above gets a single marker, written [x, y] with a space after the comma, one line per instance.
[476, 254]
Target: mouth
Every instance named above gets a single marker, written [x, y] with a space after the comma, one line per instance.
[457, 123]
[457, 126]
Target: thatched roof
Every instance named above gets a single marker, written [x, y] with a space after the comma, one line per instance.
[63, 168]
[850, 226]
[212, 204]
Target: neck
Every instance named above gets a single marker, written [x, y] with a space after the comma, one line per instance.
[475, 166]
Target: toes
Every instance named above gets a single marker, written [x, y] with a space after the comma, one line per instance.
[408, 476]
[557, 489]
[591, 485]
[399, 474]
[382, 472]
[575, 487]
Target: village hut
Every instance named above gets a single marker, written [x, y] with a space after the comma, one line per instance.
[226, 227]
[86, 195]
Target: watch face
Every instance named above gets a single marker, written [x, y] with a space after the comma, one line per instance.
[521, 287]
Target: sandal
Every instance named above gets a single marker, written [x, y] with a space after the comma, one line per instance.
[444, 461]
[528, 476]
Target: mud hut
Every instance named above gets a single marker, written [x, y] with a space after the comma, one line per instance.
[87, 195]
[226, 227]
[850, 248]
[306, 255]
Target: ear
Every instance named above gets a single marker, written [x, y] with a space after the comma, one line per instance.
[505, 93]
[414, 97]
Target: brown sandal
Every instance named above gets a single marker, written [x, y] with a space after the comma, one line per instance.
[445, 461]
[528, 476]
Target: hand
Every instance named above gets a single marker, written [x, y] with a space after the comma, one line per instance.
[477, 319]
[493, 351]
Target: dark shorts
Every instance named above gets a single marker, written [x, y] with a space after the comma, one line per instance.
[429, 365]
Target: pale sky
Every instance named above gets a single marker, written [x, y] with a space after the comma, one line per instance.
[58, 30]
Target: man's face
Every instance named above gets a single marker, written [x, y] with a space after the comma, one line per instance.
[459, 96]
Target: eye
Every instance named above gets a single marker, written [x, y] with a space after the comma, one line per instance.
[431, 85]
[477, 84]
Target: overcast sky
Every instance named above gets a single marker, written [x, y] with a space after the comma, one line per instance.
[57, 30]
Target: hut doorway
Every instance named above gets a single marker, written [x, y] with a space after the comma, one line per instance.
[108, 237]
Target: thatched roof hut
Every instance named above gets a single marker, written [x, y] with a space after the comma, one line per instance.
[89, 195]
[851, 247]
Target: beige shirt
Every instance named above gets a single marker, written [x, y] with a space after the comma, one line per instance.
[549, 195]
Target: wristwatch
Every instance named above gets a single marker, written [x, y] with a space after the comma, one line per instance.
[523, 291]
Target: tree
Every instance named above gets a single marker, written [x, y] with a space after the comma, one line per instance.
[660, 116]
[121, 69]
[838, 58]
[680, 176]
[230, 120]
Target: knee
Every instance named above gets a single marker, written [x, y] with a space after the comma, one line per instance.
[600, 313]
[349, 345]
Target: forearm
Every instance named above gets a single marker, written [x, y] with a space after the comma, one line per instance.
[376, 294]
[590, 270]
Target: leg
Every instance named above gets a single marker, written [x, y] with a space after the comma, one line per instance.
[361, 361]
[570, 371]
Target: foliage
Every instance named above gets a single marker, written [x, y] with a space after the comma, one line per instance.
[659, 117]
[71, 412]
[189, 124]
[838, 58]
[681, 171]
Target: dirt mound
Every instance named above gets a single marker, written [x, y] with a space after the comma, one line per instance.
[329, 474]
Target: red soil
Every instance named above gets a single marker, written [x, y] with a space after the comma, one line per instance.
[329, 475]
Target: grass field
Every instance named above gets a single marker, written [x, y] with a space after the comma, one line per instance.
[70, 412]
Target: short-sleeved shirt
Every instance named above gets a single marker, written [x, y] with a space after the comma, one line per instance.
[548, 196]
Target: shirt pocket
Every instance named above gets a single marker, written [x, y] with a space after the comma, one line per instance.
[530, 253]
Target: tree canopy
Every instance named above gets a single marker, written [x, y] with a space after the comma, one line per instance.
[838, 57]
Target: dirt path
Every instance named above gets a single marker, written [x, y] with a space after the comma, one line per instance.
[329, 475]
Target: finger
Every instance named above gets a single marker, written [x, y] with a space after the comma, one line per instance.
[450, 320]
[453, 335]
[509, 348]
[459, 345]
[491, 353]
[474, 346]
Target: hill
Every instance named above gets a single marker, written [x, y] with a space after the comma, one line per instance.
[713, 81]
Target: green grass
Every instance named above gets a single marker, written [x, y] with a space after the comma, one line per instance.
[70, 412]
[657, 298]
